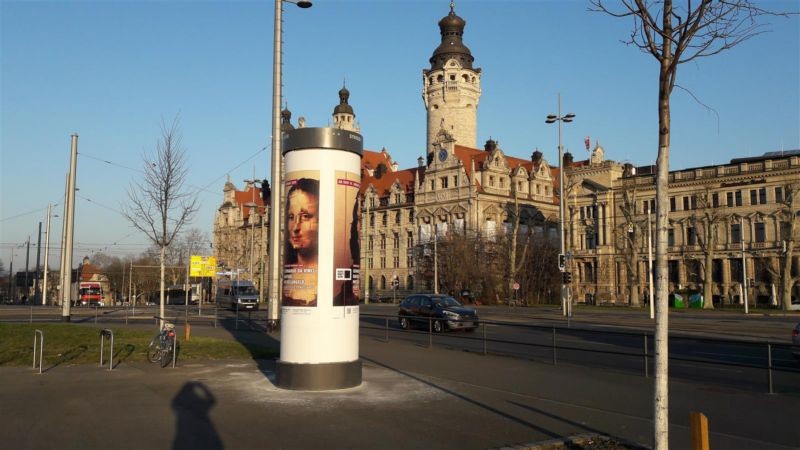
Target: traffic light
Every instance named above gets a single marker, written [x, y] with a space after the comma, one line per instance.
[562, 261]
[266, 192]
[566, 277]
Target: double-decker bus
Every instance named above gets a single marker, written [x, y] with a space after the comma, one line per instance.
[90, 294]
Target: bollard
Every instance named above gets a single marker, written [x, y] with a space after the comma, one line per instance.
[174, 351]
[106, 332]
[38, 333]
[699, 431]
[484, 339]
[187, 331]
[646, 365]
[769, 368]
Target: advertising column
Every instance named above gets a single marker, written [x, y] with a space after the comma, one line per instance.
[319, 308]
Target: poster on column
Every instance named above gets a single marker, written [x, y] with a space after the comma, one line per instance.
[301, 253]
[346, 232]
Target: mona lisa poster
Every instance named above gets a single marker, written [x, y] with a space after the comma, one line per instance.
[346, 232]
[301, 253]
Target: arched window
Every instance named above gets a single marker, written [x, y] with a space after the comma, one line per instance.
[410, 282]
[383, 282]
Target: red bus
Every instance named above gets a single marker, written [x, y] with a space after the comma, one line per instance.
[90, 294]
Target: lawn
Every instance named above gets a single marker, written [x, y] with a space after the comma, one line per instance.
[77, 344]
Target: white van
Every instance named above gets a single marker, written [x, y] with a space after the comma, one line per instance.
[238, 295]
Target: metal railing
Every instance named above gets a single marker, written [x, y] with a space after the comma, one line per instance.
[761, 350]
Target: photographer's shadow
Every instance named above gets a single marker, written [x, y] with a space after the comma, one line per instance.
[194, 429]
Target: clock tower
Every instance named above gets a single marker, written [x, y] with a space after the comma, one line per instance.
[451, 87]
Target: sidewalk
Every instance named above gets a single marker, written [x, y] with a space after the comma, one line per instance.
[411, 397]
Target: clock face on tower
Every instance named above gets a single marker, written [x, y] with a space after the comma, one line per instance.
[442, 155]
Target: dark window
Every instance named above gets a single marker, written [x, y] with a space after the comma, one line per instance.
[410, 238]
[372, 220]
[398, 217]
[685, 203]
[730, 199]
[672, 204]
[716, 271]
[670, 237]
[385, 219]
[590, 244]
[762, 196]
[761, 232]
[645, 206]
[672, 271]
[753, 197]
[694, 202]
[715, 200]
[410, 216]
[736, 269]
[383, 241]
[691, 236]
[589, 272]
[736, 233]
[779, 194]
[738, 195]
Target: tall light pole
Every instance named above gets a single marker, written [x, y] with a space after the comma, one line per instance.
[275, 272]
[68, 233]
[566, 303]
[47, 252]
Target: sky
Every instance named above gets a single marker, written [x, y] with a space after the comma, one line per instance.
[111, 71]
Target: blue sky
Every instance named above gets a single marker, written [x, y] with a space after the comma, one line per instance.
[110, 70]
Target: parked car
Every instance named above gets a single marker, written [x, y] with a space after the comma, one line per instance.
[796, 342]
[441, 311]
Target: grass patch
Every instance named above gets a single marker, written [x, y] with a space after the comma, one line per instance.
[67, 344]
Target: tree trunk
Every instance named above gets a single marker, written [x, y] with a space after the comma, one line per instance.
[787, 281]
[708, 278]
[661, 391]
[162, 260]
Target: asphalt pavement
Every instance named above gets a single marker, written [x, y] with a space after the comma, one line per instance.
[411, 397]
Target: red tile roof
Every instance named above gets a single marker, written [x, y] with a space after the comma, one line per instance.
[251, 194]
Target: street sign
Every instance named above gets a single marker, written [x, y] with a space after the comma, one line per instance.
[516, 286]
[395, 282]
[202, 266]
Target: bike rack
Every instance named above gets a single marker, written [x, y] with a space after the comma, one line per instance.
[107, 333]
[37, 334]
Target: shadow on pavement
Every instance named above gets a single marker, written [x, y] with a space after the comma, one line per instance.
[124, 354]
[561, 419]
[463, 397]
[193, 426]
[68, 356]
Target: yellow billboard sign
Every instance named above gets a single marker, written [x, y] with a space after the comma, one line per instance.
[202, 266]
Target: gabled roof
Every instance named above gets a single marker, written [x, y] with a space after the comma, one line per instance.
[251, 194]
[383, 185]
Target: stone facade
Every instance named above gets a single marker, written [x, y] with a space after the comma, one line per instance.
[240, 232]
[734, 216]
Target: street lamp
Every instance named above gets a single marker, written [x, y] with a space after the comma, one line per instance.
[567, 118]
[275, 272]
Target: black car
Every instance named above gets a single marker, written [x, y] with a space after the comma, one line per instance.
[440, 311]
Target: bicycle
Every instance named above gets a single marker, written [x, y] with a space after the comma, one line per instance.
[163, 344]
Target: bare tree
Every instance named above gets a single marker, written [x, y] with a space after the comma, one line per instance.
[706, 225]
[515, 214]
[673, 35]
[628, 242]
[158, 205]
[788, 212]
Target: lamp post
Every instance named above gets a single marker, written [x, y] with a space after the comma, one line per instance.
[254, 208]
[567, 118]
[47, 252]
[277, 183]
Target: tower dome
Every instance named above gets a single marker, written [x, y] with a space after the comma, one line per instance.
[343, 107]
[451, 28]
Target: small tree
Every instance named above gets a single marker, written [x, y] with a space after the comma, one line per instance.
[705, 221]
[628, 242]
[158, 205]
[789, 215]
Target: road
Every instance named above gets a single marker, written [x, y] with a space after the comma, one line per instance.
[725, 349]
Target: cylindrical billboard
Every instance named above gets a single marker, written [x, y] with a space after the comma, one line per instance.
[321, 266]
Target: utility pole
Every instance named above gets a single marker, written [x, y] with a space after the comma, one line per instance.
[650, 266]
[744, 278]
[27, 269]
[369, 254]
[435, 259]
[69, 224]
[36, 284]
[46, 254]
